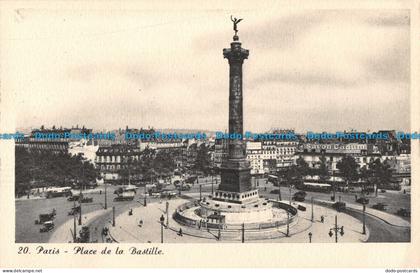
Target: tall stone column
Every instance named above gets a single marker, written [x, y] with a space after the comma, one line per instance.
[236, 183]
[236, 56]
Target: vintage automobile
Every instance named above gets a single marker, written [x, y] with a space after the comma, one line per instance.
[339, 206]
[45, 217]
[404, 212]
[299, 196]
[184, 187]
[363, 201]
[86, 200]
[74, 210]
[168, 194]
[84, 235]
[379, 206]
[73, 198]
[302, 208]
[47, 226]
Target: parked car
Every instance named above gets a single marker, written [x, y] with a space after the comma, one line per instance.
[185, 187]
[86, 200]
[74, 210]
[45, 217]
[276, 191]
[339, 206]
[47, 226]
[404, 212]
[379, 206]
[155, 194]
[302, 208]
[84, 235]
[168, 194]
[299, 196]
[73, 198]
[362, 200]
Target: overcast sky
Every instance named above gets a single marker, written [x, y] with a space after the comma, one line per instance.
[311, 70]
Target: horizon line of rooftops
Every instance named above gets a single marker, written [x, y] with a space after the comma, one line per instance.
[142, 133]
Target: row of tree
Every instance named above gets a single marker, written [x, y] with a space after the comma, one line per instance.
[162, 163]
[377, 172]
[47, 169]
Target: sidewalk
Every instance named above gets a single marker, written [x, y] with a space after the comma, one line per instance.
[63, 234]
[384, 216]
[128, 230]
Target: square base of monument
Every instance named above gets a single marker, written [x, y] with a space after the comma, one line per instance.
[236, 197]
[235, 180]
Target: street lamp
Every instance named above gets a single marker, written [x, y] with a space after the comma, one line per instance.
[106, 205]
[312, 209]
[364, 219]
[310, 237]
[278, 181]
[336, 230]
[162, 220]
[145, 195]
[290, 195]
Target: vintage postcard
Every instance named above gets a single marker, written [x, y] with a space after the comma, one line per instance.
[209, 134]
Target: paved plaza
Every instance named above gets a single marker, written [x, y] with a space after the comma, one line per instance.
[128, 230]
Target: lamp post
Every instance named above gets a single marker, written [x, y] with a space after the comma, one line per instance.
[288, 221]
[278, 181]
[243, 232]
[365, 201]
[80, 204]
[162, 219]
[212, 187]
[290, 195]
[145, 195]
[212, 175]
[335, 230]
[113, 216]
[312, 209]
[364, 219]
[200, 191]
[106, 204]
[310, 237]
[167, 214]
[74, 221]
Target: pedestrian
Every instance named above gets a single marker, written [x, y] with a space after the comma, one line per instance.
[322, 218]
[355, 197]
[180, 232]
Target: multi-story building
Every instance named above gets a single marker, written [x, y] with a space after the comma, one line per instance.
[254, 156]
[220, 151]
[161, 144]
[334, 152]
[53, 139]
[112, 159]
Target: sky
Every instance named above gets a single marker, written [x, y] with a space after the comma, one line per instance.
[310, 70]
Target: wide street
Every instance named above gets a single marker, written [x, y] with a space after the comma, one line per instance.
[383, 227]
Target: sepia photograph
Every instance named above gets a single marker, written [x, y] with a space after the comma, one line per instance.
[150, 126]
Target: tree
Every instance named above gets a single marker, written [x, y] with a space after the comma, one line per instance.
[381, 173]
[202, 161]
[348, 168]
[322, 170]
[46, 169]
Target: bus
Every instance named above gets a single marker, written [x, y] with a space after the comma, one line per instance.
[319, 187]
[273, 179]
